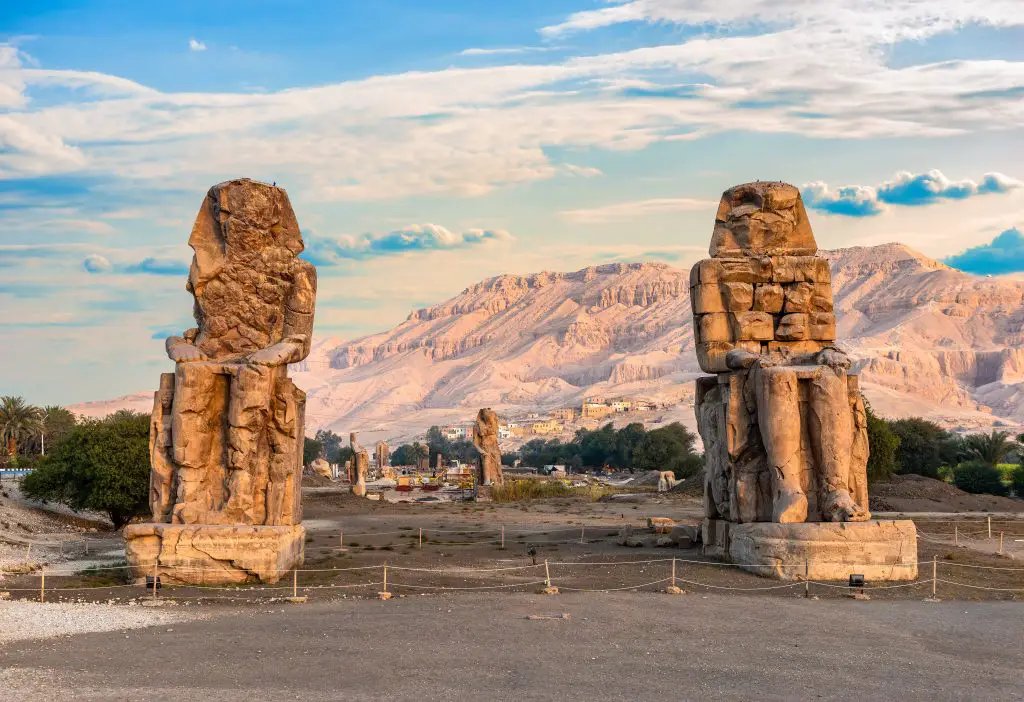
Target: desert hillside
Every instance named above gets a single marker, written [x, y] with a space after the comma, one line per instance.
[928, 340]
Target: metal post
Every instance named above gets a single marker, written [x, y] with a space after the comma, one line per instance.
[807, 578]
[503, 536]
[42, 586]
[295, 582]
[385, 577]
[421, 537]
[341, 539]
[673, 572]
[935, 569]
[990, 527]
[1000, 543]
[547, 574]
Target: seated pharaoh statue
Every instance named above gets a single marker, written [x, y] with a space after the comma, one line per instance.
[783, 421]
[227, 431]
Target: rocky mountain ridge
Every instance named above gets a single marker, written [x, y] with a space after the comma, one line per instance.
[927, 339]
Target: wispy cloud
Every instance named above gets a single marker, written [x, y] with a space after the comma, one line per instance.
[1004, 254]
[196, 45]
[904, 190]
[411, 239]
[637, 208]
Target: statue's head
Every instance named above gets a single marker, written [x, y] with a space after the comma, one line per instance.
[764, 218]
[244, 222]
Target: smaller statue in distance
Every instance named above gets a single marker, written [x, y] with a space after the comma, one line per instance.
[485, 439]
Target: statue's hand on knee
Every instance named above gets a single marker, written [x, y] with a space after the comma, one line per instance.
[283, 352]
[181, 351]
[834, 359]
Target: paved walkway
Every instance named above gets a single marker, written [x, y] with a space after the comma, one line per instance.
[620, 646]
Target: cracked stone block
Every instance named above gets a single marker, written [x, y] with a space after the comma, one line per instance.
[798, 297]
[822, 326]
[768, 298]
[706, 299]
[752, 326]
[792, 327]
[714, 327]
[739, 297]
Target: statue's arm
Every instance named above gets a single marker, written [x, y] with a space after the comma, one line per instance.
[181, 349]
[298, 321]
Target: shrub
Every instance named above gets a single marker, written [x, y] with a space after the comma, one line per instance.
[1017, 480]
[978, 477]
[100, 465]
[883, 445]
[921, 446]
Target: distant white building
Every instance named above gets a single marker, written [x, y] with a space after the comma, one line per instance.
[455, 432]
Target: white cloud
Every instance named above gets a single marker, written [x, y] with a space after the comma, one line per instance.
[411, 239]
[818, 71]
[582, 171]
[196, 45]
[638, 208]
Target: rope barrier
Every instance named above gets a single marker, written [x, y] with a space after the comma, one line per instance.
[981, 587]
[615, 589]
[481, 587]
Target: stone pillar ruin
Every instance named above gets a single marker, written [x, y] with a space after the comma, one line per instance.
[485, 439]
[360, 466]
[227, 428]
[382, 455]
[782, 418]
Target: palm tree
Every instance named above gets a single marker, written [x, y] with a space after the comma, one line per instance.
[18, 422]
[990, 448]
[57, 421]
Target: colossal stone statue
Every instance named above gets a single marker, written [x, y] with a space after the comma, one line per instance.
[360, 466]
[782, 419]
[382, 456]
[227, 431]
[485, 439]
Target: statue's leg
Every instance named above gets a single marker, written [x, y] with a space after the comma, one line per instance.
[778, 417]
[248, 412]
[283, 461]
[830, 424]
[194, 403]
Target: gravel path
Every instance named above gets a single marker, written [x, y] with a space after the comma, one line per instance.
[22, 620]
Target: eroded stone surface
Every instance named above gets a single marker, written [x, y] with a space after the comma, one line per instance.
[485, 439]
[227, 426]
[783, 421]
[878, 550]
[360, 466]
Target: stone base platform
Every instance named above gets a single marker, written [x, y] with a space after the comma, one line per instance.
[209, 554]
[880, 550]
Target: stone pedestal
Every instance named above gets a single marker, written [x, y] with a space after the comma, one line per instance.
[881, 550]
[207, 554]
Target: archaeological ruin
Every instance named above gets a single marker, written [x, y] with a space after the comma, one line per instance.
[782, 418]
[227, 428]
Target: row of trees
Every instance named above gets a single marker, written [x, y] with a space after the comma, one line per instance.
[631, 448]
[973, 462]
[26, 429]
[327, 445]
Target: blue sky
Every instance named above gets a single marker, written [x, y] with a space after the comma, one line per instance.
[426, 145]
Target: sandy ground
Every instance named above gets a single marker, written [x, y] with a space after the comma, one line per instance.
[349, 540]
[616, 646]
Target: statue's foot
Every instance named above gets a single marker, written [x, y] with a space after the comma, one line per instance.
[790, 508]
[842, 508]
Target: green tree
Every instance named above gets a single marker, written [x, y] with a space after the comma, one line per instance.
[921, 445]
[19, 422]
[335, 449]
[597, 448]
[57, 423]
[668, 448]
[100, 465]
[404, 455]
[990, 448]
[978, 476]
[311, 450]
[884, 446]
[626, 441]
